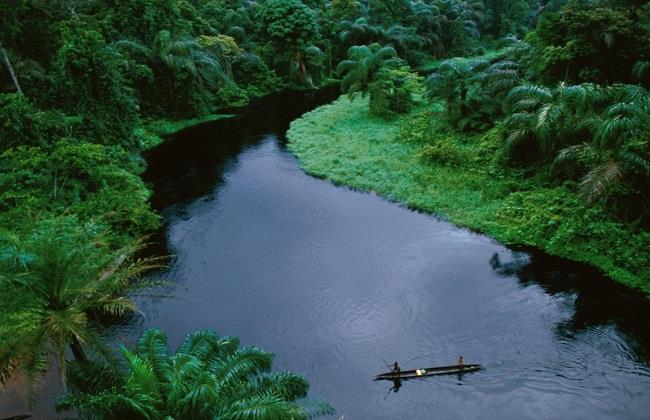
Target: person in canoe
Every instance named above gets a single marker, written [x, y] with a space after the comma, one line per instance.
[461, 362]
[397, 383]
[395, 369]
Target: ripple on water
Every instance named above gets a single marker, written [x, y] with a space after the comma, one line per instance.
[335, 282]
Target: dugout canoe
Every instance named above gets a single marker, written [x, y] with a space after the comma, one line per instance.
[422, 373]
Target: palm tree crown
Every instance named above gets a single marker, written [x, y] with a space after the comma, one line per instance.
[68, 282]
[207, 377]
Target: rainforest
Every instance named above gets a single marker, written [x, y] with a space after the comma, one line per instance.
[238, 209]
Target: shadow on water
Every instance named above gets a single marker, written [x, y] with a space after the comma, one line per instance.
[599, 301]
[193, 162]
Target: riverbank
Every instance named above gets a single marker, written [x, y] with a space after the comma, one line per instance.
[153, 133]
[457, 178]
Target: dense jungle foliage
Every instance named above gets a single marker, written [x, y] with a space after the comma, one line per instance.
[559, 86]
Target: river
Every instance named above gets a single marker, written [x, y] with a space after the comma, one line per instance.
[335, 282]
[338, 282]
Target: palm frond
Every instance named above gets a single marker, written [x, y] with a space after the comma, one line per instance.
[540, 94]
[571, 153]
[599, 181]
[636, 161]
[313, 407]
[152, 346]
[201, 344]
[261, 408]
[640, 69]
[141, 378]
[242, 363]
[286, 385]
[518, 136]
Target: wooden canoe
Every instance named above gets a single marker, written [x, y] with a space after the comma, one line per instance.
[421, 373]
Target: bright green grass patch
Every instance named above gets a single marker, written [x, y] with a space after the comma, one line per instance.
[153, 132]
[459, 178]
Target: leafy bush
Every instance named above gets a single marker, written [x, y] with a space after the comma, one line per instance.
[91, 180]
[22, 124]
[394, 91]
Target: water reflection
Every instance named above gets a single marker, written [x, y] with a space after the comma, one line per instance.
[597, 301]
[397, 383]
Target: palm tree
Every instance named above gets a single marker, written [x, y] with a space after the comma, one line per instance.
[618, 149]
[472, 88]
[603, 128]
[207, 377]
[69, 283]
[428, 22]
[460, 21]
[404, 39]
[171, 58]
[360, 32]
[363, 65]
[553, 118]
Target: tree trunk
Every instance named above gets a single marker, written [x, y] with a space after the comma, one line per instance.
[301, 69]
[11, 70]
[462, 109]
[78, 351]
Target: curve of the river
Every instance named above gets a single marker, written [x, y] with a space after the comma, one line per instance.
[336, 281]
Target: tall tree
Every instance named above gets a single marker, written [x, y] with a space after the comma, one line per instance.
[363, 65]
[292, 26]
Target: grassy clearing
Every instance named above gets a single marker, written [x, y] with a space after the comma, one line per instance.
[459, 178]
[153, 132]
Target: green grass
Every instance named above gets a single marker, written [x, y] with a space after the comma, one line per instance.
[413, 160]
[153, 132]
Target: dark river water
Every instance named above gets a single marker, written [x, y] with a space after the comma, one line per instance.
[335, 282]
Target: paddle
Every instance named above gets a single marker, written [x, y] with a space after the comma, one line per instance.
[390, 369]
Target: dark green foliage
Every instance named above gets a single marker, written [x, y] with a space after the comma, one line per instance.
[89, 81]
[363, 66]
[600, 134]
[340, 10]
[207, 377]
[225, 15]
[291, 26]
[255, 76]
[144, 19]
[388, 12]
[180, 74]
[22, 123]
[394, 91]
[507, 17]
[92, 181]
[472, 89]
[582, 43]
